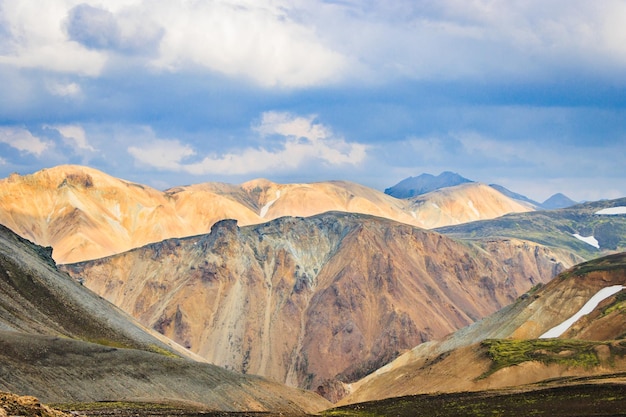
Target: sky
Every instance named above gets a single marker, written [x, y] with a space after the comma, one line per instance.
[527, 94]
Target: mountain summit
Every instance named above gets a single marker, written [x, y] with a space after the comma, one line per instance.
[425, 183]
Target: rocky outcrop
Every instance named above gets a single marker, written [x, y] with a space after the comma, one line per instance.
[315, 301]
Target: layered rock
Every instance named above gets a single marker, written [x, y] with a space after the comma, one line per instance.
[313, 301]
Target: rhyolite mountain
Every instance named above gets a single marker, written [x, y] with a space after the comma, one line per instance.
[511, 348]
[425, 183]
[319, 301]
[62, 343]
[86, 214]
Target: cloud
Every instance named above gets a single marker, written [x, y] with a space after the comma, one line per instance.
[23, 140]
[75, 135]
[61, 89]
[128, 31]
[297, 43]
[296, 141]
[162, 154]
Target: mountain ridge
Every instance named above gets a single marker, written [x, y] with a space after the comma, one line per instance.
[310, 301]
[86, 214]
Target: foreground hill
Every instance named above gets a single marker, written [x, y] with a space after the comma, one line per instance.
[316, 301]
[514, 348]
[85, 214]
[590, 229]
[62, 343]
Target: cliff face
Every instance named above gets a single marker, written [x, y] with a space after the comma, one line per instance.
[507, 348]
[313, 301]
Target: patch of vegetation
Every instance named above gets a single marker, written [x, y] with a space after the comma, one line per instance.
[161, 351]
[578, 400]
[618, 305]
[569, 352]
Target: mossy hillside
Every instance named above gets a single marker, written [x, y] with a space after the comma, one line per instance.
[567, 352]
[554, 228]
[608, 263]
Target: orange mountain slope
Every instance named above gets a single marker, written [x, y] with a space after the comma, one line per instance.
[85, 214]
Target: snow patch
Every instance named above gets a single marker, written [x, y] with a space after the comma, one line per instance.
[470, 203]
[590, 240]
[589, 306]
[266, 207]
[612, 210]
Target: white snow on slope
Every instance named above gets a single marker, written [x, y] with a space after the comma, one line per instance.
[470, 203]
[266, 207]
[589, 306]
[612, 210]
[590, 240]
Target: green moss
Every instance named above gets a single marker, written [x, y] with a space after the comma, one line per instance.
[506, 352]
[161, 351]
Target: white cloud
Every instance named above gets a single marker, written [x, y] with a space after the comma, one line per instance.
[23, 140]
[75, 135]
[70, 89]
[300, 43]
[302, 140]
[162, 154]
[35, 39]
[257, 40]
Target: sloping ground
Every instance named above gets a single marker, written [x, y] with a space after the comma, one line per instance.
[503, 350]
[463, 203]
[556, 228]
[61, 342]
[85, 214]
[61, 370]
[36, 298]
[318, 300]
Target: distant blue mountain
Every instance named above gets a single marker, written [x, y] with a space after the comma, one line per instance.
[425, 183]
[515, 195]
[558, 201]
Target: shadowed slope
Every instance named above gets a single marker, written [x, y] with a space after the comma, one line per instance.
[61, 342]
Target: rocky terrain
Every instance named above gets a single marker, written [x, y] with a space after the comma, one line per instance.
[509, 349]
[62, 343]
[319, 301]
[85, 214]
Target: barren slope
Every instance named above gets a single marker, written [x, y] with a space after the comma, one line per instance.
[85, 214]
[61, 342]
[503, 350]
[310, 301]
[462, 204]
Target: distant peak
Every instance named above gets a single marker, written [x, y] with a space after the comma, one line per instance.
[425, 183]
[558, 201]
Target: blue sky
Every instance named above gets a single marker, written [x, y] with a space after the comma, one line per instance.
[527, 94]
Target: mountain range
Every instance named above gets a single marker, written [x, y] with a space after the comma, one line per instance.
[85, 214]
[331, 287]
[315, 301]
[427, 183]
